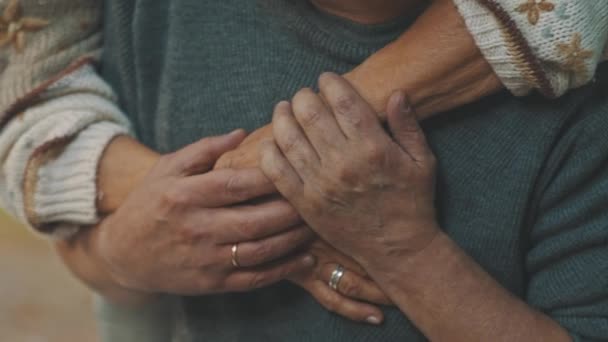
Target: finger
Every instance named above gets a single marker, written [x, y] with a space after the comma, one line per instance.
[255, 253]
[278, 169]
[290, 138]
[201, 156]
[344, 306]
[252, 222]
[254, 278]
[405, 129]
[355, 286]
[225, 187]
[354, 115]
[317, 121]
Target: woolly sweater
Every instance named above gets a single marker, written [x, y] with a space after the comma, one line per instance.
[58, 115]
[68, 114]
[522, 183]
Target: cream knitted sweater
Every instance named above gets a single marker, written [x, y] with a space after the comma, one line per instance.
[57, 115]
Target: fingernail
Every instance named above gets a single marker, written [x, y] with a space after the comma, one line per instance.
[235, 132]
[309, 260]
[373, 320]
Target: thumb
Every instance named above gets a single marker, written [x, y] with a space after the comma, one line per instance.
[404, 127]
[200, 156]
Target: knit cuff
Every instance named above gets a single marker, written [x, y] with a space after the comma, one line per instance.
[489, 37]
[65, 193]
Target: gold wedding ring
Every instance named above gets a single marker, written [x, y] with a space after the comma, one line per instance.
[235, 258]
[336, 276]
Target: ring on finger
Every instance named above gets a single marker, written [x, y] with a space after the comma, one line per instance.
[336, 276]
[235, 257]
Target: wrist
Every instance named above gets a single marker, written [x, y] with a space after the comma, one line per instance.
[406, 270]
[124, 164]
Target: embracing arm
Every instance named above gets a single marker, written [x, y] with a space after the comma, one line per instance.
[364, 183]
[566, 297]
[460, 51]
[551, 46]
[56, 114]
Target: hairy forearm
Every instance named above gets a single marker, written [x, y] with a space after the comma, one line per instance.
[449, 297]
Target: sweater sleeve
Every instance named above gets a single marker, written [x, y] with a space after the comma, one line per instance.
[547, 45]
[567, 259]
[56, 114]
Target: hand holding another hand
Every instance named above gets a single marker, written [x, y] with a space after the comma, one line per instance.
[366, 193]
[175, 231]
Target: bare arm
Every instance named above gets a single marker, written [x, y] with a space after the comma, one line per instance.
[436, 62]
[459, 301]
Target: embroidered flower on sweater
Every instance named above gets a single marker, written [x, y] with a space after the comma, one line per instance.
[13, 26]
[534, 8]
[575, 56]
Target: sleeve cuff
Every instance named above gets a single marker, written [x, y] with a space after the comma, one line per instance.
[487, 32]
[65, 195]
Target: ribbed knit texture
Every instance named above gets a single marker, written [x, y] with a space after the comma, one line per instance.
[51, 153]
[522, 184]
[566, 38]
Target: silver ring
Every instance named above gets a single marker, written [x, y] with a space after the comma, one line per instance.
[336, 276]
[235, 257]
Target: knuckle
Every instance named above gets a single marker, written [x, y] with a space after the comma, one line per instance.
[289, 141]
[375, 154]
[248, 229]
[261, 252]
[226, 161]
[258, 280]
[346, 174]
[309, 115]
[173, 198]
[234, 187]
[350, 288]
[307, 107]
[187, 233]
[345, 104]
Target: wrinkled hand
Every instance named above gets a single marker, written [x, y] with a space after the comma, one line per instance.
[355, 290]
[366, 193]
[246, 155]
[175, 231]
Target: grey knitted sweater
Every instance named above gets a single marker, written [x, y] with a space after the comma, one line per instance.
[522, 184]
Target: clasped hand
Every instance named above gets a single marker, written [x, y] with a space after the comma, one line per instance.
[367, 192]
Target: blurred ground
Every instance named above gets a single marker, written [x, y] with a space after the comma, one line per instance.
[39, 300]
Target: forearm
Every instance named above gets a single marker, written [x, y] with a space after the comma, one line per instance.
[123, 165]
[449, 297]
[436, 63]
[565, 56]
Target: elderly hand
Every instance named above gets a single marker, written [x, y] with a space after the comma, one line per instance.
[366, 193]
[355, 290]
[176, 229]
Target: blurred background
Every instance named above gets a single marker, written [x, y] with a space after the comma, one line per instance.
[39, 300]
